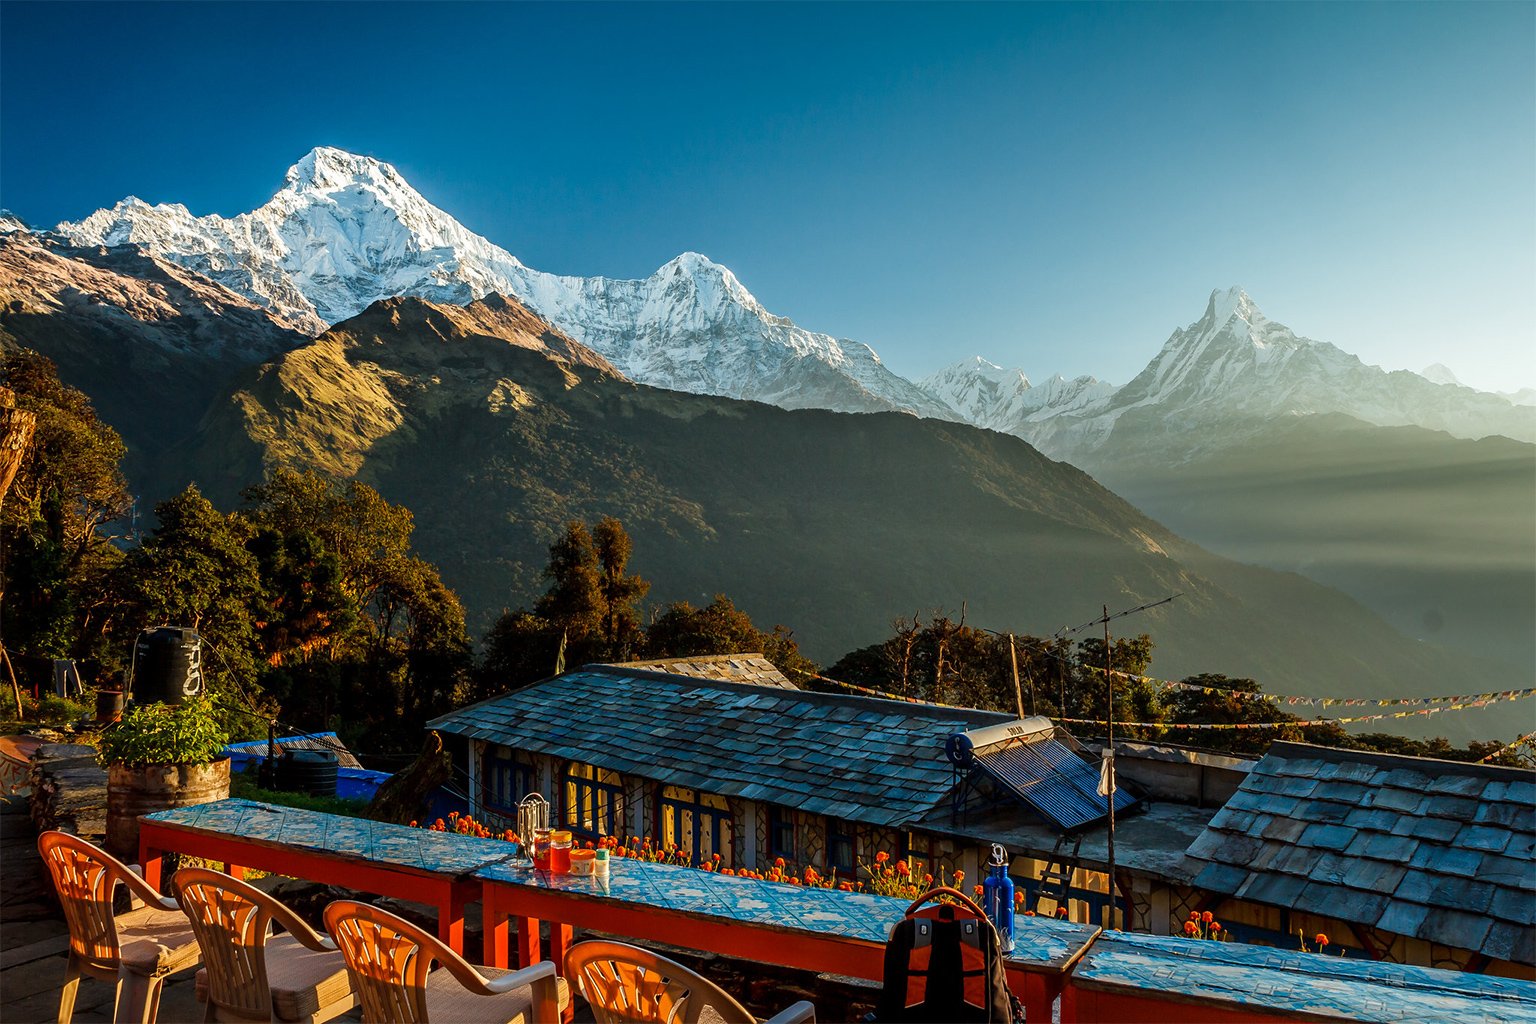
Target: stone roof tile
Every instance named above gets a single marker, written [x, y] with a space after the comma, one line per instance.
[1439, 851]
[732, 738]
[1482, 837]
[1452, 927]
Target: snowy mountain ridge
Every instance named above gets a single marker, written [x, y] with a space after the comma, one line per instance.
[987, 395]
[347, 230]
[1234, 369]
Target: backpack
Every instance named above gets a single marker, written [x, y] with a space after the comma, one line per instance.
[944, 963]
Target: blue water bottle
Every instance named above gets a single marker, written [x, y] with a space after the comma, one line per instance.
[997, 896]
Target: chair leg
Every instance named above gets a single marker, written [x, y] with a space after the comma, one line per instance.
[70, 990]
[138, 998]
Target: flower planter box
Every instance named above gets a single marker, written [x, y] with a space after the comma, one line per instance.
[157, 787]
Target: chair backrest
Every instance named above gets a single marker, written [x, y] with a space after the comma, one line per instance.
[231, 921]
[629, 985]
[388, 958]
[86, 877]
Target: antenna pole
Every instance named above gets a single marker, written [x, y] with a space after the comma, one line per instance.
[1109, 752]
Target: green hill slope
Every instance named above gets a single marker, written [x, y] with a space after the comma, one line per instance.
[831, 523]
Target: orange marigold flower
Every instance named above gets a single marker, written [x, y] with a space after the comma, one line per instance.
[902, 869]
[1207, 917]
[882, 857]
[959, 876]
[1215, 926]
[778, 862]
[1321, 940]
[1189, 928]
[978, 890]
[927, 879]
[1194, 915]
[1029, 913]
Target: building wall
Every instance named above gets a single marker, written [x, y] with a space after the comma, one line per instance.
[1155, 906]
[749, 843]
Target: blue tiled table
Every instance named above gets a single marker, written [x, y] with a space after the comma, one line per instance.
[391, 860]
[769, 922]
[1132, 977]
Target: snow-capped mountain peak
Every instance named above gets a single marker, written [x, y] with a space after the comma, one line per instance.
[9, 223]
[347, 230]
[1234, 369]
[1439, 373]
[325, 168]
[1234, 303]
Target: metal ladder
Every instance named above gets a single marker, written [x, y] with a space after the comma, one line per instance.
[1055, 882]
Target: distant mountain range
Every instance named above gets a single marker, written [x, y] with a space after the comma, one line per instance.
[347, 230]
[1233, 397]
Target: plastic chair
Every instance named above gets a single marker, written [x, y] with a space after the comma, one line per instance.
[249, 975]
[629, 985]
[390, 961]
[137, 950]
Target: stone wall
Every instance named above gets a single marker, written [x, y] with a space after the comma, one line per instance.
[69, 790]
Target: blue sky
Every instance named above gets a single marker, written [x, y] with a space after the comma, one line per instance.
[1053, 187]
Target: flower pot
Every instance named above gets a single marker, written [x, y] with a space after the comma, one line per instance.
[157, 787]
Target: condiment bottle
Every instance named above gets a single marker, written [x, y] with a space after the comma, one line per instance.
[582, 862]
[541, 841]
[559, 852]
[600, 865]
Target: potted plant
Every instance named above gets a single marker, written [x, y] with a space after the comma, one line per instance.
[158, 757]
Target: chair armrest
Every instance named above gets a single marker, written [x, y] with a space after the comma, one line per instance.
[803, 1012]
[299, 928]
[507, 982]
[133, 878]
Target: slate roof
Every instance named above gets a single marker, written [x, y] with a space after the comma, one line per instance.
[1436, 850]
[735, 668]
[857, 758]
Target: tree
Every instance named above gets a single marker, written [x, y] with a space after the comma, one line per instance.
[194, 570]
[1231, 701]
[354, 619]
[683, 631]
[55, 547]
[619, 592]
[573, 604]
[590, 610]
[354, 522]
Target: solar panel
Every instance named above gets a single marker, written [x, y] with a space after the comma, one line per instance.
[1053, 780]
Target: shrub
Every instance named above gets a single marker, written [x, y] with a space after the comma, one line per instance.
[164, 734]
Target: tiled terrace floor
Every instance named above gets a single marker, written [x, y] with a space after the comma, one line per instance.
[33, 940]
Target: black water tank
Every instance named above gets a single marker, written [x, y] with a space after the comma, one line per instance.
[307, 771]
[167, 666]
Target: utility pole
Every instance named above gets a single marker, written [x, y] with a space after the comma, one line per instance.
[1018, 691]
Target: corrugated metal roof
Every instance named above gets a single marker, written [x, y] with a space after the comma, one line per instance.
[735, 668]
[1434, 850]
[790, 747]
[1056, 782]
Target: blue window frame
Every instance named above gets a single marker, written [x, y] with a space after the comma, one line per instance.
[841, 851]
[781, 834]
[593, 801]
[701, 824]
[505, 778]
